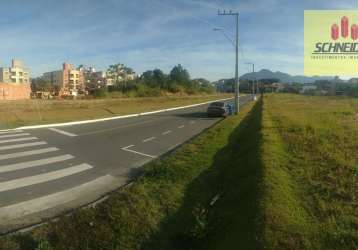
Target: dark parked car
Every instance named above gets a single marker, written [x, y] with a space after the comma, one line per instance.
[219, 109]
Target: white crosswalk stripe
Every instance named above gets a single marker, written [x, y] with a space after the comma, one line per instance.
[27, 153]
[36, 179]
[19, 139]
[24, 208]
[13, 135]
[23, 145]
[28, 166]
[35, 163]
[11, 131]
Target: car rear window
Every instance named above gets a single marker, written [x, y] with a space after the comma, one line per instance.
[217, 104]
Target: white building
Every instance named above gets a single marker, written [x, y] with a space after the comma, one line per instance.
[17, 73]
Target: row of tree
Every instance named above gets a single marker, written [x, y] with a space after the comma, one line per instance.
[178, 80]
[151, 82]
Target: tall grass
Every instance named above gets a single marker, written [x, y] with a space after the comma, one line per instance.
[320, 135]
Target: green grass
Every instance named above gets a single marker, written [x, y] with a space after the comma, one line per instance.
[30, 112]
[320, 138]
[282, 175]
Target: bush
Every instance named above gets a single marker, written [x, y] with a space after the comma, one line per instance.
[145, 91]
[192, 91]
[100, 93]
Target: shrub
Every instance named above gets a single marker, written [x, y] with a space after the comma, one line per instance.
[100, 93]
[144, 91]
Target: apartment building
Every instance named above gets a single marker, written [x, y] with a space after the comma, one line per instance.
[14, 82]
[16, 74]
[93, 79]
[69, 81]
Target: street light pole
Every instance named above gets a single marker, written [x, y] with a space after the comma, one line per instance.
[253, 81]
[237, 90]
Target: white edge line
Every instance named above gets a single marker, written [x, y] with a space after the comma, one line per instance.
[174, 146]
[166, 132]
[62, 132]
[110, 118]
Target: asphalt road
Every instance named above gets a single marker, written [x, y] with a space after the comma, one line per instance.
[46, 172]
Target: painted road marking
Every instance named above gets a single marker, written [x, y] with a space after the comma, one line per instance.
[192, 122]
[62, 132]
[24, 145]
[35, 163]
[14, 135]
[149, 139]
[37, 179]
[166, 132]
[117, 128]
[117, 117]
[19, 139]
[174, 146]
[27, 153]
[11, 131]
[181, 126]
[136, 152]
[24, 208]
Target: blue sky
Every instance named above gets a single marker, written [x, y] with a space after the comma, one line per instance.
[150, 34]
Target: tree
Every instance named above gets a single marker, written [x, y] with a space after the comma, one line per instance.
[128, 70]
[180, 75]
[160, 78]
[154, 78]
[40, 84]
[118, 72]
[147, 78]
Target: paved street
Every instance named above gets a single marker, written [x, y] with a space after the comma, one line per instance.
[45, 172]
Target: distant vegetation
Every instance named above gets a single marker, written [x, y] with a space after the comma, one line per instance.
[318, 88]
[156, 82]
[151, 83]
[269, 81]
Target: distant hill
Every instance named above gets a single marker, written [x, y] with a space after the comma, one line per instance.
[283, 77]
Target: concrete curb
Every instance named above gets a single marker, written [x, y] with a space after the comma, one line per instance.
[109, 118]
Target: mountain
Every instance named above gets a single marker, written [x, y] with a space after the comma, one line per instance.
[283, 77]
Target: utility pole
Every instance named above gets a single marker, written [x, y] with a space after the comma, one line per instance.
[253, 81]
[237, 91]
